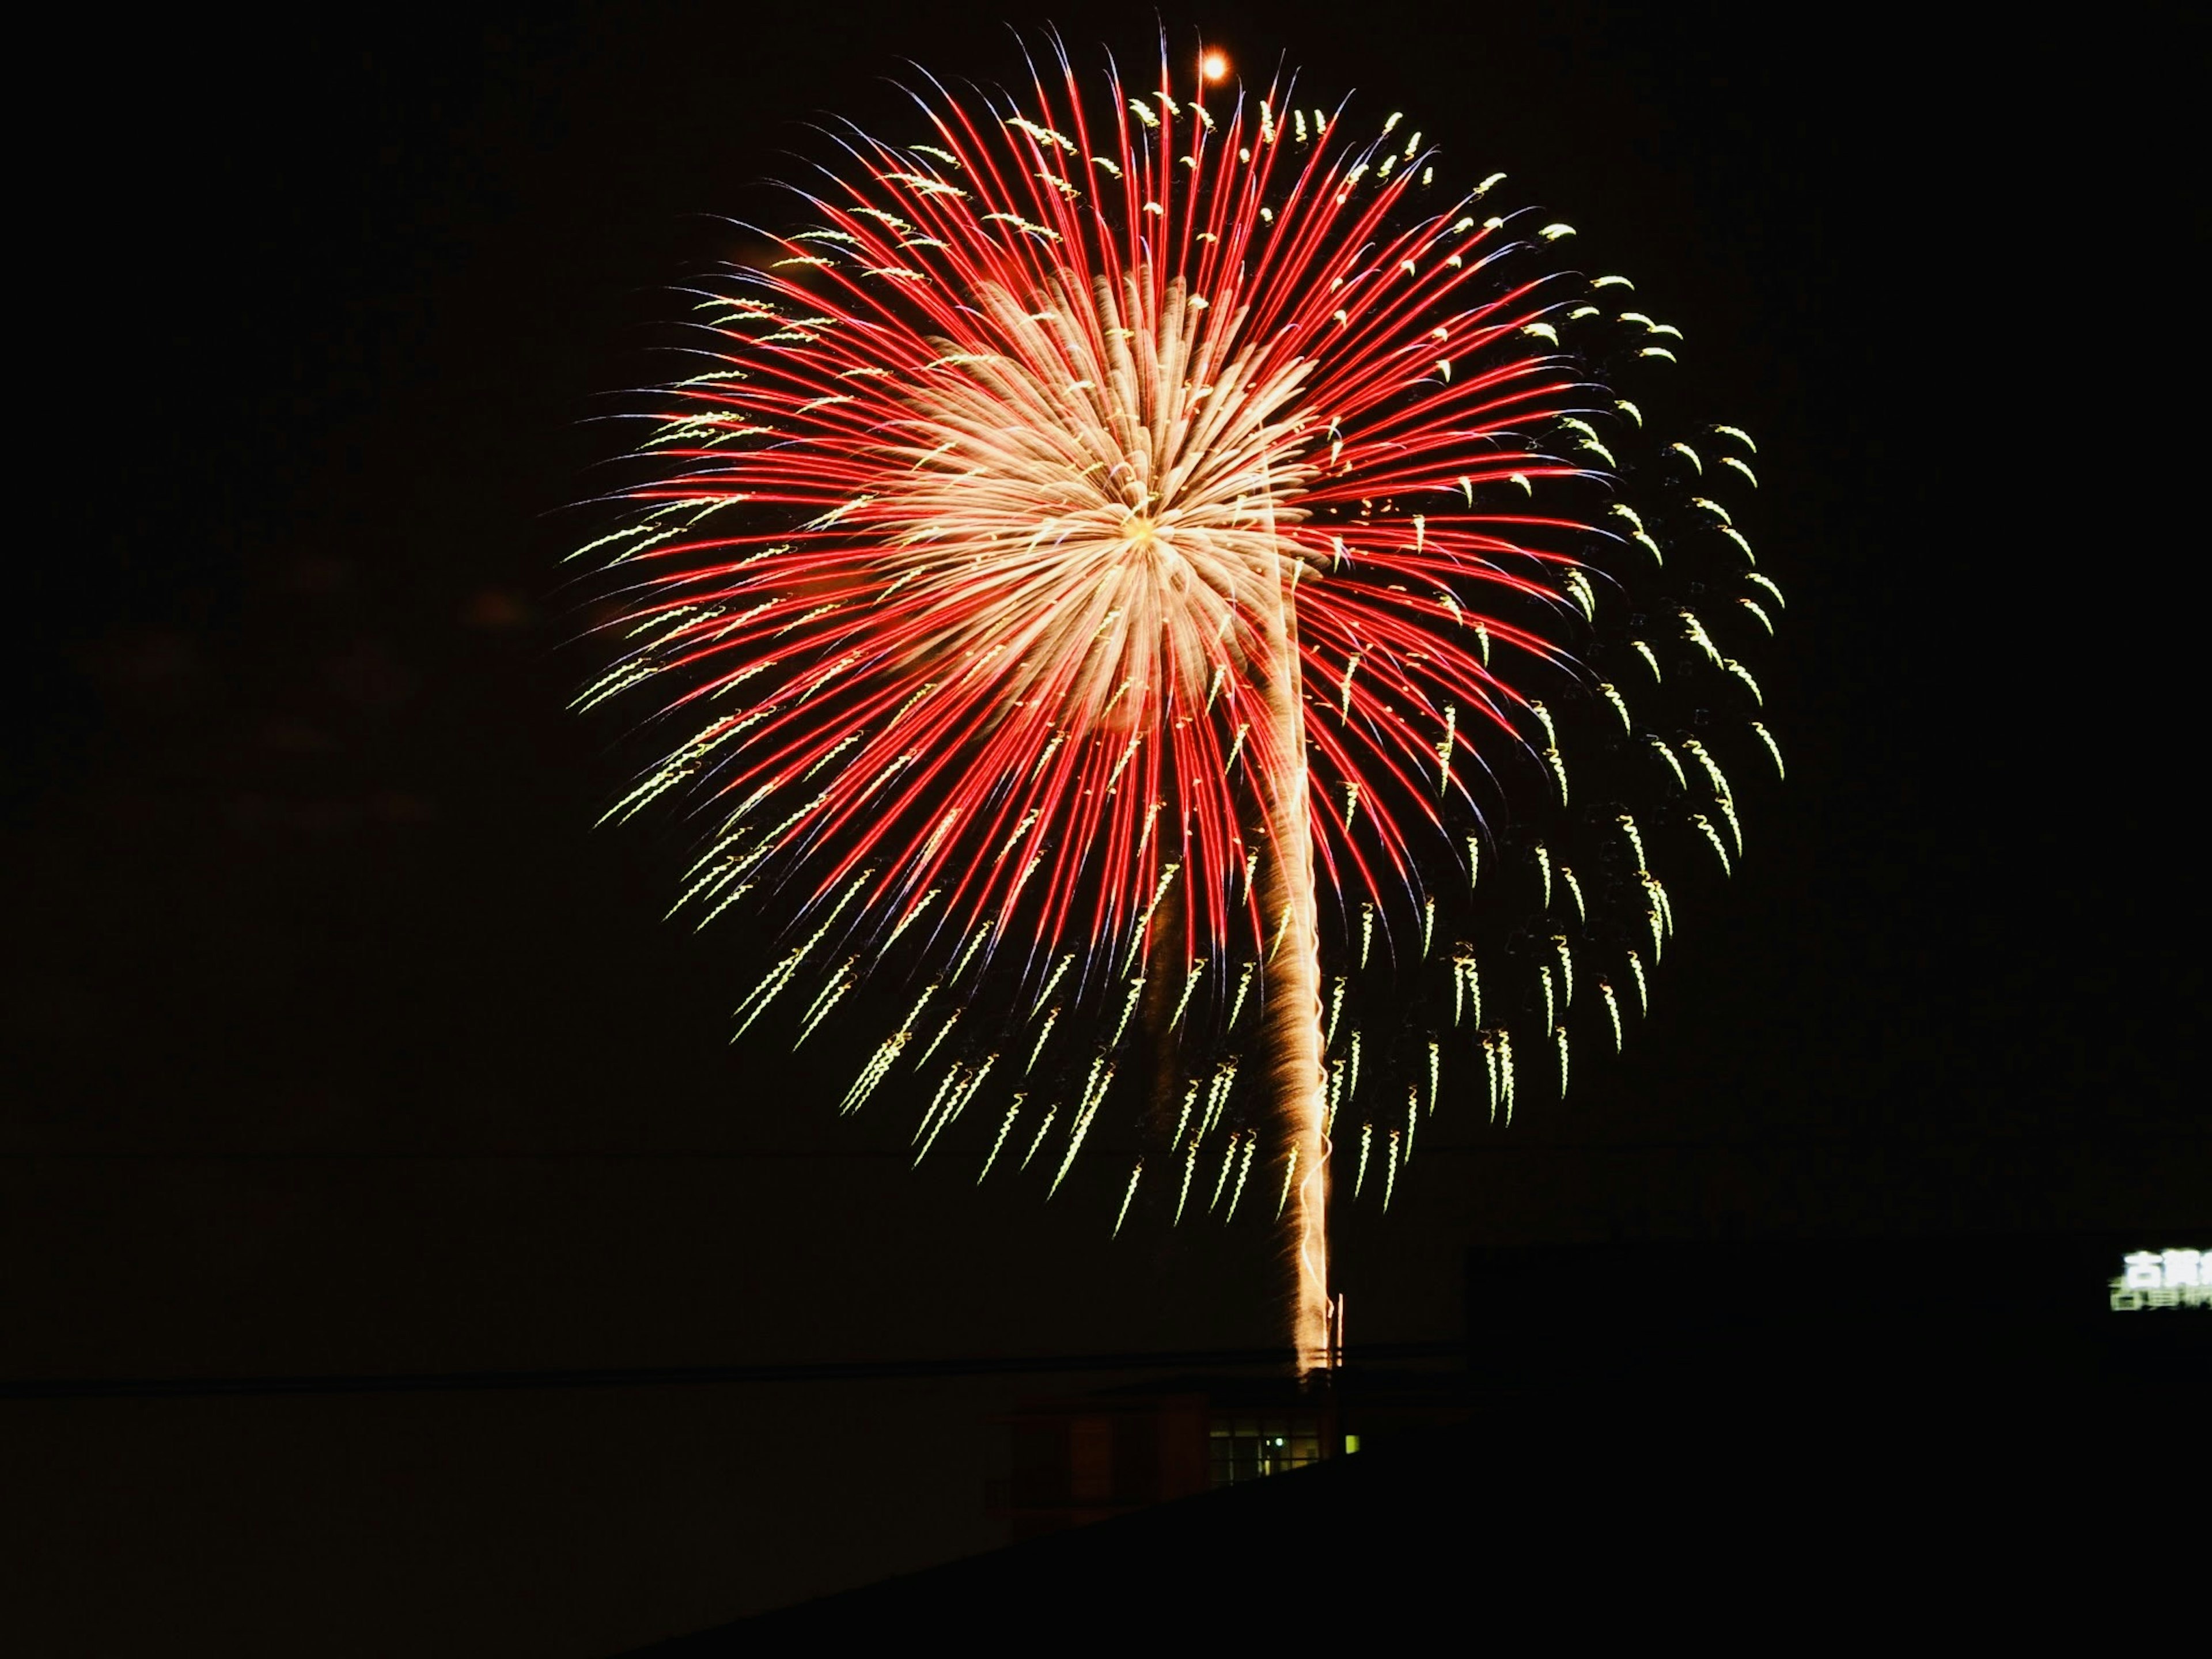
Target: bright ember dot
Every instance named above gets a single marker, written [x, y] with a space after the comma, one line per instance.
[1216, 66]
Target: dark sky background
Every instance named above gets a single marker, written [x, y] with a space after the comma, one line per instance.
[339, 1042]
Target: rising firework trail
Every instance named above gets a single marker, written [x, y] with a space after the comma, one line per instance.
[1179, 600]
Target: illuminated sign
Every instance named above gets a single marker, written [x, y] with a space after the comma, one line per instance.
[2163, 1278]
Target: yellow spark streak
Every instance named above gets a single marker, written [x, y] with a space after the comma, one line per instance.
[1444, 748]
[885, 1053]
[1561, 1032]
[1772, 747]
[1643, 988]
[873, 1072]
[1129, 1192]
[1082, 1127]
[1043, 1129]
[1006, 1128]
[1436, 1071]
[968, 1091]
[1128, 1007]
[1659, 747]
[1574, 892]
[1390, 1173]
[1289, 1176]
[1713, 836]
[1366, 1140]
[1744, 674]
[1566, 971]
[910, 918]
[1698, 752]
[1578, 584]
[1635, 841]
[948, 1086]
[1428, 923]
[1044, 1035]
[1189, 985]
[1228, 1162]
[829, 1000]
[1225, 1077]
[1020, 829]
[1734, 824]
[1189, 1166]
[1121, 765]
[1544, 872]
[1490, 1071]
[1336, 1096]
[1335, 1007]
[1041, 135]
[1474, 860]
[1244, 983]
[1505, 1072]
[943, 1032]
[969, 955]
[765, 992]
[1544, 979]
[1366, 932]
[1467, 988]
[1696, 632]
[1182, 1118]
[1557, 762]
[1649, 660]
[1167, 873]
[1612, 1012]
[1058, 972]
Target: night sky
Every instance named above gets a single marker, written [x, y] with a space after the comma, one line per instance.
[339, 1042]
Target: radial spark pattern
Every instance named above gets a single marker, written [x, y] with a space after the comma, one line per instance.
[1134, 575]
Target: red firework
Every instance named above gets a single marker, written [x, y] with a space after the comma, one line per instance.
[1125, 558]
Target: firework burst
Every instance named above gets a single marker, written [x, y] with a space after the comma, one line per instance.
[1179, 592]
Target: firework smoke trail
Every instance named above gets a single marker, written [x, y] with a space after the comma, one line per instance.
[1122, 552]
[1292, 1038]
